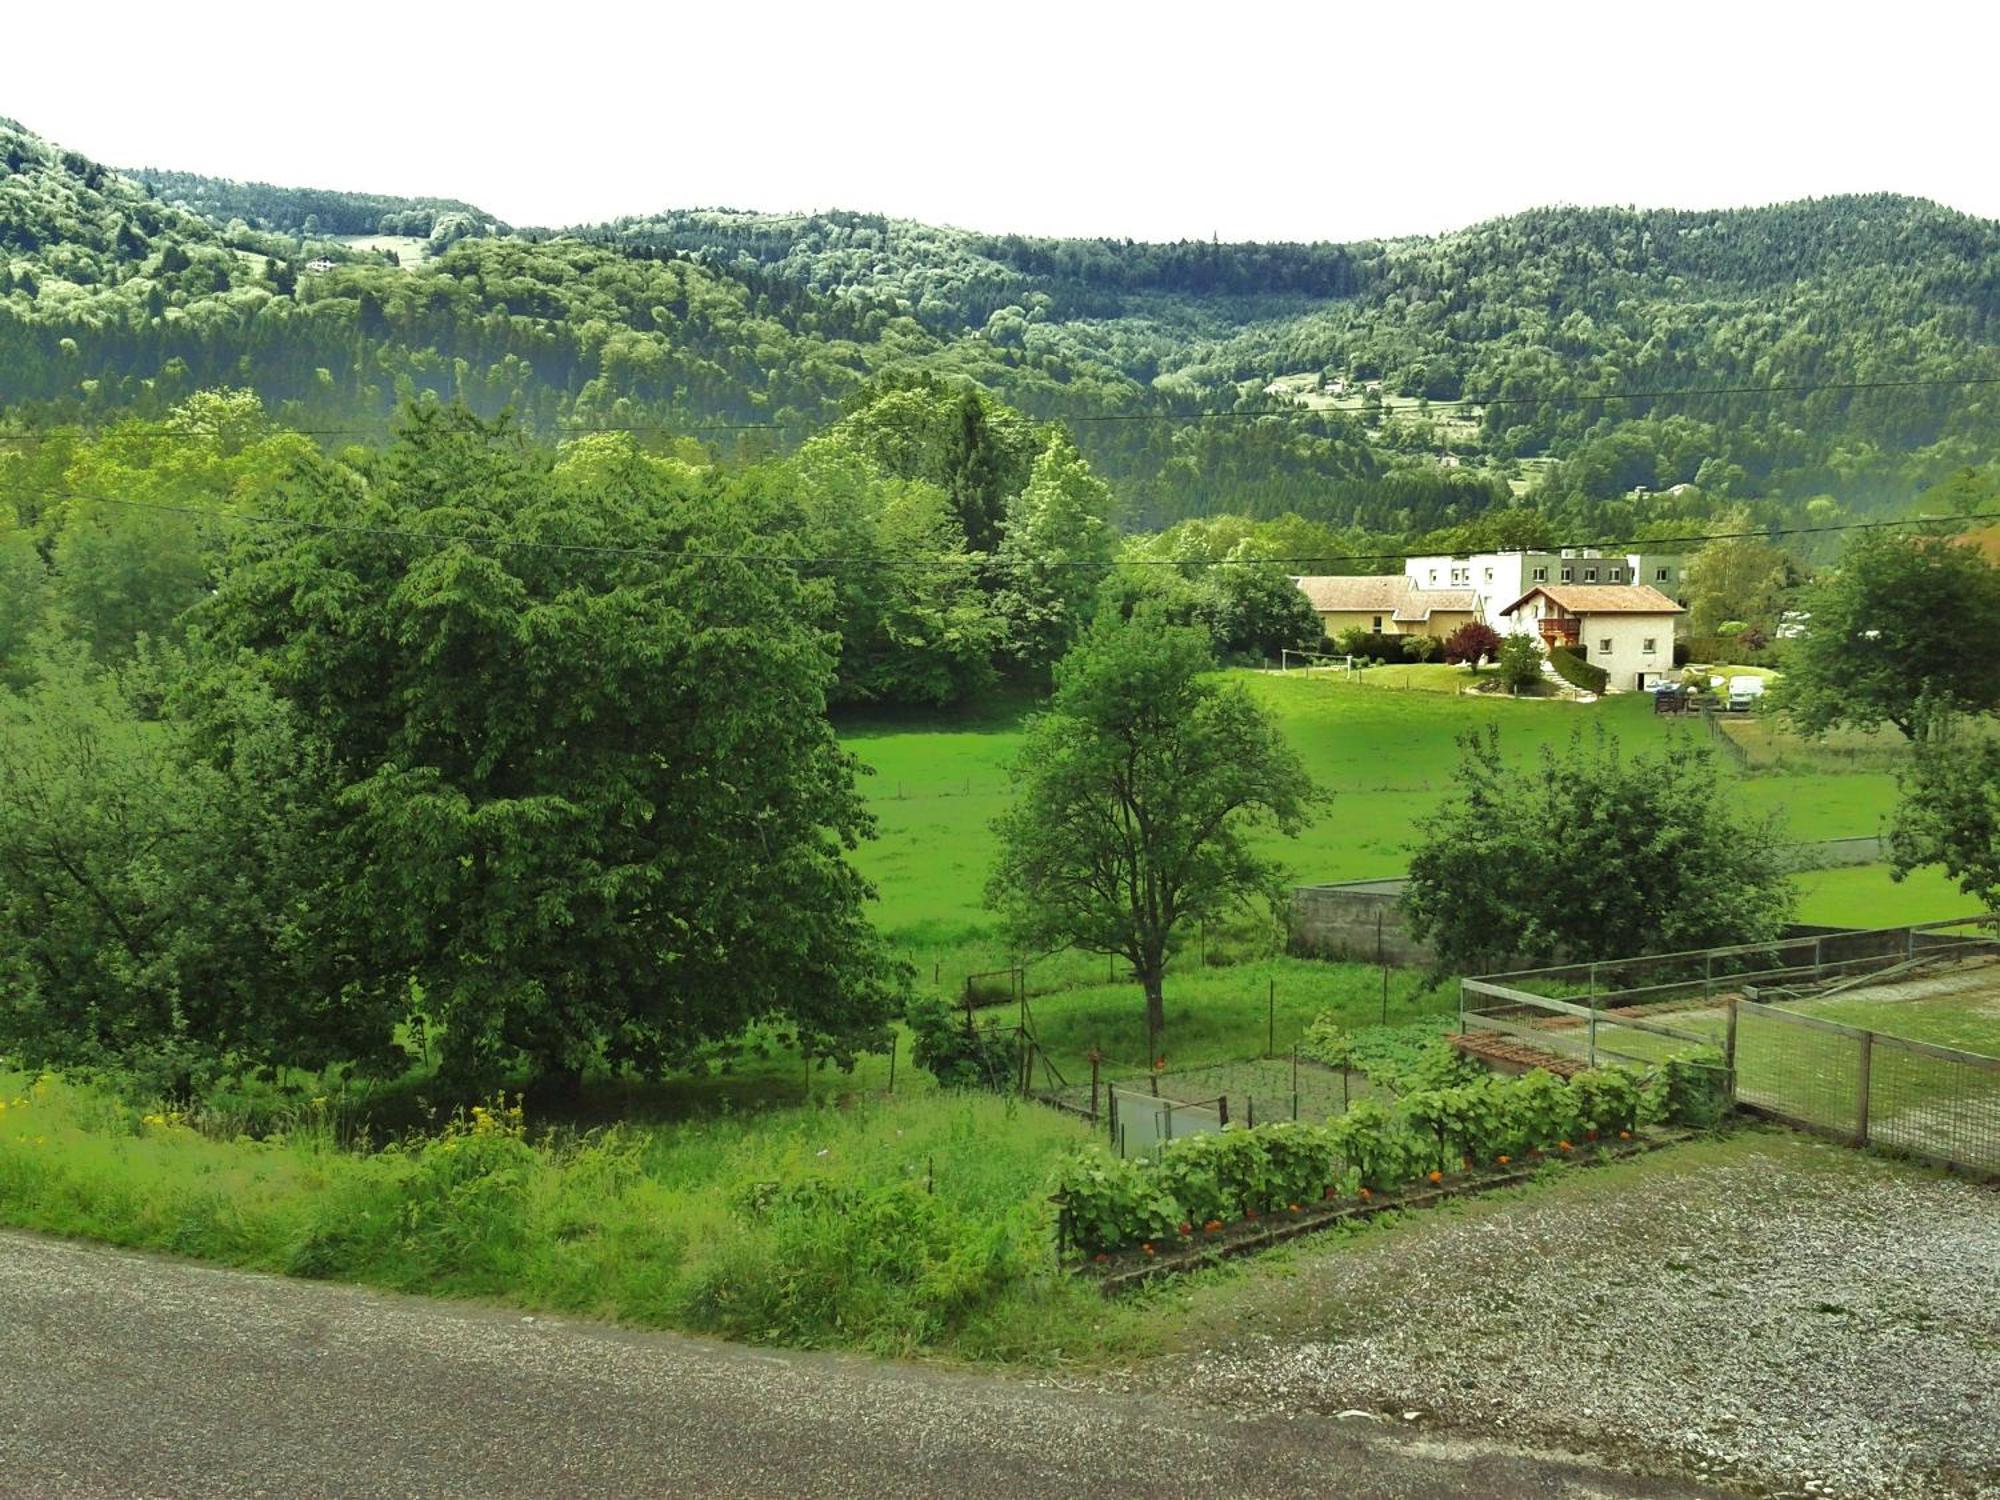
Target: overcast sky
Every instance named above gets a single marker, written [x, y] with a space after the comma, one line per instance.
[1251, 121]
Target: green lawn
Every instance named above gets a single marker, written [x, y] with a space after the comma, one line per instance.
[1388, 757]
[1865, 896]
[1217, 1015]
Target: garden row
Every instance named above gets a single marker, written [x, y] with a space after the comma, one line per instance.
[1203, 1183]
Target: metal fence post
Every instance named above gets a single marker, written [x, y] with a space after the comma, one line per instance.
[1708, 976]
[1861, 1102]
[1729, 1045]
[1593, 1036]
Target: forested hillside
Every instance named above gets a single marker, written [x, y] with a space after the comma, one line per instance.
[308, 211]
[1389, 387]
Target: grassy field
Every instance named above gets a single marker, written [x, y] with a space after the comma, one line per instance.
[1866, 896]
[410, 249]
[1388, 757]
[1217, 1015]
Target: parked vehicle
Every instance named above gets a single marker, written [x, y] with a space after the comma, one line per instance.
[1744, 693]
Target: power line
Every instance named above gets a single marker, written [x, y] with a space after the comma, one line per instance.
[963, 561]
[805, 424]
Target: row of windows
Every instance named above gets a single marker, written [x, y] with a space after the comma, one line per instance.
[1541, 575]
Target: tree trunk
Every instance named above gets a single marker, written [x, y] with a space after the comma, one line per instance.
[1156, 1013]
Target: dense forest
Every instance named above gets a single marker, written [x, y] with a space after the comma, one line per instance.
[1385, 389]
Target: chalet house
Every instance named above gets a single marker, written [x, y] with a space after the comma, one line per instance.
[1387, 604]
[1625, 628]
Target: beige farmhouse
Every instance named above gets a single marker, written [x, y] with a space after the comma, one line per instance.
[1625, 628]
[1387, 604]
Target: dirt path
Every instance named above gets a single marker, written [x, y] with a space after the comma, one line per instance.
[126, 1375]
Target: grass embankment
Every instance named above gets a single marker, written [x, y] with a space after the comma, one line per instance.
[894, 1226]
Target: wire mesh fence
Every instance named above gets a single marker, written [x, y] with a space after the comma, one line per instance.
[1938, 1103]
[1257, 1091]
[1760, 1003]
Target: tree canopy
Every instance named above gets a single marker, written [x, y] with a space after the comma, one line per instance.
[1905, 619]
[1590, 853]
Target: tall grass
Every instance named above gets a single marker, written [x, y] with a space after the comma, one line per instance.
[892, 1225]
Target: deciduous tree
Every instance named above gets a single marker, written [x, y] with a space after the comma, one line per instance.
[1470, 644]
[1905, 619]
[1137, 796]
[1590, 853]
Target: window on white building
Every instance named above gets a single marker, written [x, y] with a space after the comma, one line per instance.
[1616, 575]
[1489, 575]
[1652, 645]
[1604, 646]
[1377, 626]
[1434, 575]
[1568, 574]
[1659, 575]
[1590, 575]
[1541, 575]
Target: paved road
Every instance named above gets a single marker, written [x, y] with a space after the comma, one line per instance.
[126, 1375]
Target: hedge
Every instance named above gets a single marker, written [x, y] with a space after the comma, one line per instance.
[1204, 1181]
[1577, 672]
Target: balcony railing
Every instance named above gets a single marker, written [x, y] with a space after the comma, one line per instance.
[1560, 632]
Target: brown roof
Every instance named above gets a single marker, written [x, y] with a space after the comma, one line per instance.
[1601, 599]
[1420, 604]
[1383, 593]
[1369, 593]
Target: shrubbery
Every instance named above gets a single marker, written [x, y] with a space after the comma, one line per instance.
[1573, 669]
[1370, 645]
[1487, 1120]
[958, 1056]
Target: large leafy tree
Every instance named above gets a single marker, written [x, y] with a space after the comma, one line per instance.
[1736, 579]
[585, 794]
[914, 624]
[1139, 794]
[1590, 853]
[162, 910]
[1054, 555]
[1903, 621]
[1949, 813]
[979, 452]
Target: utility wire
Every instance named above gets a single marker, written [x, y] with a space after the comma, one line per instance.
[969, 560]
[804, 424]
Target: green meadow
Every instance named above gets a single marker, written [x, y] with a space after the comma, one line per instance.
[1387, 754]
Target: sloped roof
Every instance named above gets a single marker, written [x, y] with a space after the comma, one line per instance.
[1380, 593]
[1421, 604]
[1601, 599]
[1383, 594]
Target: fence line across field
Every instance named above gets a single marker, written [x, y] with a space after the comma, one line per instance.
[1864, 1085]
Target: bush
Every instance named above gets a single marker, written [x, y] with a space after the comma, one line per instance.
[1478, 1119]
[1370, 646]
[958, 1058]
[1423, 648]
[1607, 1099]
[1692, 1091]
[1113, 1203]
[1471, 644]
[1584, 676]
[1520, 661]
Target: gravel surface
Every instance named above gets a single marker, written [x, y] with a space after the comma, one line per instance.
[1779, 1314]
[128, 1375]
